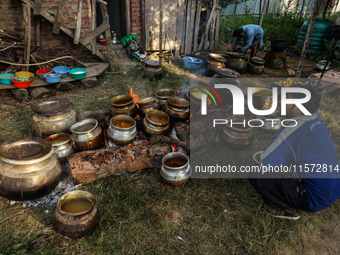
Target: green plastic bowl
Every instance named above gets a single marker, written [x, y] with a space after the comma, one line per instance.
[78, 73]
[6, 78]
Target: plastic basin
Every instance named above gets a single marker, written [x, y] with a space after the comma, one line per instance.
[43, 71]
[64, 70]
[6, 78]
[21, 84]
[52, 78]
[78, 73]
[192, 63]
[25, 74]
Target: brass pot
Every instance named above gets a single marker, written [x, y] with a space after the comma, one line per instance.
[156, 123]
[237, 62]
[123, 104]
[175, 168]
[76, 214]
[162, 96]
[86, 135]
[52, 116]
[62, 147]
[177, 108]
[237, 136]
[263, 99]
[146, 105]
[213, 65]
[28, 168]
[122, 129]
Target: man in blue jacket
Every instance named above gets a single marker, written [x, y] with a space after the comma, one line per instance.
[252, 36]
[309, 152]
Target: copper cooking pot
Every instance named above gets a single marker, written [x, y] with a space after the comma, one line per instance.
[156, 123]
[162, 96]
[76, 214]
[178, 108]
[52, 116]
[152, 69]
[147, 104]
[86, 135]
[28, 168]
[123, 104]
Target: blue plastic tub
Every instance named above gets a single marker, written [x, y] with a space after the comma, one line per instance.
[192, 63]
[6, 78]
[64, 72]
[52, 78]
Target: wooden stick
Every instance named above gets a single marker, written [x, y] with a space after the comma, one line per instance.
[103, 8]
[156, 139]
[207, 26]
[27, 39]
[78, 25]
[37, 31]
[94, 24]
[56, 25]
[197, 24]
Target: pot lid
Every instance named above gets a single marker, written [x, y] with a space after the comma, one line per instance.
[227, 72]
[153, 63]
[178, 102]
[258, 60]
[52, 106]
[21, 150]
[217, 57]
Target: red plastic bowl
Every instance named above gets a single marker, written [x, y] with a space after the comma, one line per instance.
[102, 41]
[44, 70]
[21, 84]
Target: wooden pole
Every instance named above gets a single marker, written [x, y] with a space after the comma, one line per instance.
[78, 25]
[27, 39]
[37, 31]
[103, 8]
[262, 14]
[57, 22]
[197, 24]
[314, 14]
[207, 26]
[94, 24]
[160, 31]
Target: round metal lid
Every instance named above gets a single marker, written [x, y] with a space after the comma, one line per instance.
[258, 60]
[227, 72]
[217, 57]
[25, 150]
[152, 63]
[236, 54]
[52, 106]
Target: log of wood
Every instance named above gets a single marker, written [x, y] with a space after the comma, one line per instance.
[41, 92]
[183, 131]
[65, 86]
[156, 139]
[90, 82]
[89, 166]
[102, 116]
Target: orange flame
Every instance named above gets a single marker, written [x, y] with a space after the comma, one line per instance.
[137, 116]
[135, 97]
[175, 147]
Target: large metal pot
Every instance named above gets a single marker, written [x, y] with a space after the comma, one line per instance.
[178, 108]
[156, 123]
[162, 96]
[237, 62]
[213, 65]
[123, 104]
[147, 104]
[52, 116]
[86, 135]
[278, 45]
[122, 129]
[262, 99]
[62, 147]
[76, 214]
[152, 69]
[237, 136]
[28, 168]
[175, 168]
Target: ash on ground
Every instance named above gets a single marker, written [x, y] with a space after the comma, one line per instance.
[65, 185]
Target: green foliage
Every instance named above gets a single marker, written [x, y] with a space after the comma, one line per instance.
[275, 26]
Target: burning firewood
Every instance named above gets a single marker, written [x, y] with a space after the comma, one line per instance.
[89, 166]
[155, 139]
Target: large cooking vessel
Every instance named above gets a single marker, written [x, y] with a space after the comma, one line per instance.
[152, 69]
[76, 214]
[237, 61]
[156, 123]
[86, 135]
[262, 99]
[62, 147]
[175, 168]
[278, 45]
[122, 129]
[147, 104]
[28, 168]
[162, 96]
[123, 104]
[237, 136]
[177, 108]
[52, 116]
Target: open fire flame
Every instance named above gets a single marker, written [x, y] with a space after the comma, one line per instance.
[135, 97]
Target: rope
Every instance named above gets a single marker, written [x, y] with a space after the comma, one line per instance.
[36, 64]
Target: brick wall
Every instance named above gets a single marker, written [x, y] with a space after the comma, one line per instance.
[11, 20]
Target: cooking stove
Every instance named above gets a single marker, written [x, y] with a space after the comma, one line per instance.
[271, 59]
